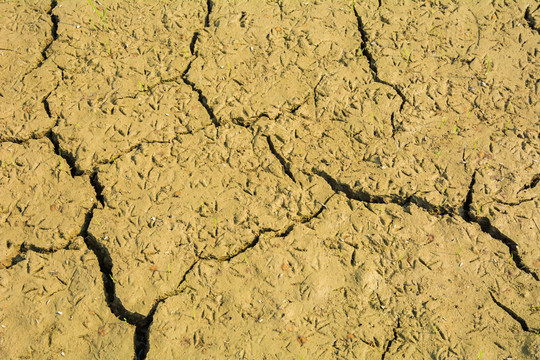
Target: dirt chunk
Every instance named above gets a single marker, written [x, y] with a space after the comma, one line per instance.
[24, 82]
[174, 205]
[266, 59]
[42, 206]
[362, 281]
[53, 306]
[136, 93]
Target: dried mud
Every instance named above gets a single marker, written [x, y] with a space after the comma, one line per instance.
[273, 179]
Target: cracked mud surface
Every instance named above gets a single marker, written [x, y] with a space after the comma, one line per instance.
[278, 179]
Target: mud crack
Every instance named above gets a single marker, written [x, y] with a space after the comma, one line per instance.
[109, 284]
[530, 20]
[142, 330]
[534, 181]
[512, 314]
[316, 98]
[466, 213]
[63, 154]
[488, 228]
[24, 248]
[53, 137]
[362, 196]
[54, 33]
[192, 48]
[209, 6]
[276, 233]
[283, 162]
[202, 99]
[106, 263]
[391, 341]
[371, 60]
[54, 30]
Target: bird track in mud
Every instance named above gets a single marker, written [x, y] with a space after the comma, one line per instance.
[143, 323]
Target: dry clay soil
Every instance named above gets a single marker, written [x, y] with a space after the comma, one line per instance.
[269, 179]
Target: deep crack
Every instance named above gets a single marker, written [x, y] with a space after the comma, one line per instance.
[192, 43]
[109, 284]
[371, 60]
[141, 339]
[534, 181]
[98, 188]
[362, 196]
[488, 228]
[391, 341]
[53, 137]
[142, 330]
[395, 126]
[283, 162]
[209, 6]
[202, 99]
[54, 30]
[70, 160]
[529, 18]
[510, 312]
[466, 208]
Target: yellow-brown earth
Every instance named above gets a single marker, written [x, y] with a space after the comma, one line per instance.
[269, 179]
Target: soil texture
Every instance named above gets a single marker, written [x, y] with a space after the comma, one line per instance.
[269, 179]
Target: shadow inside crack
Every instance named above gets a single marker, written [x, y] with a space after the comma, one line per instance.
[140, 321]
[486, 226]
[530, 19]
[202, 99]
[114, 303]
[512, 313]
[363, 196]
[142, 331]
[141, 340]
[105, 262]
[371, 59]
